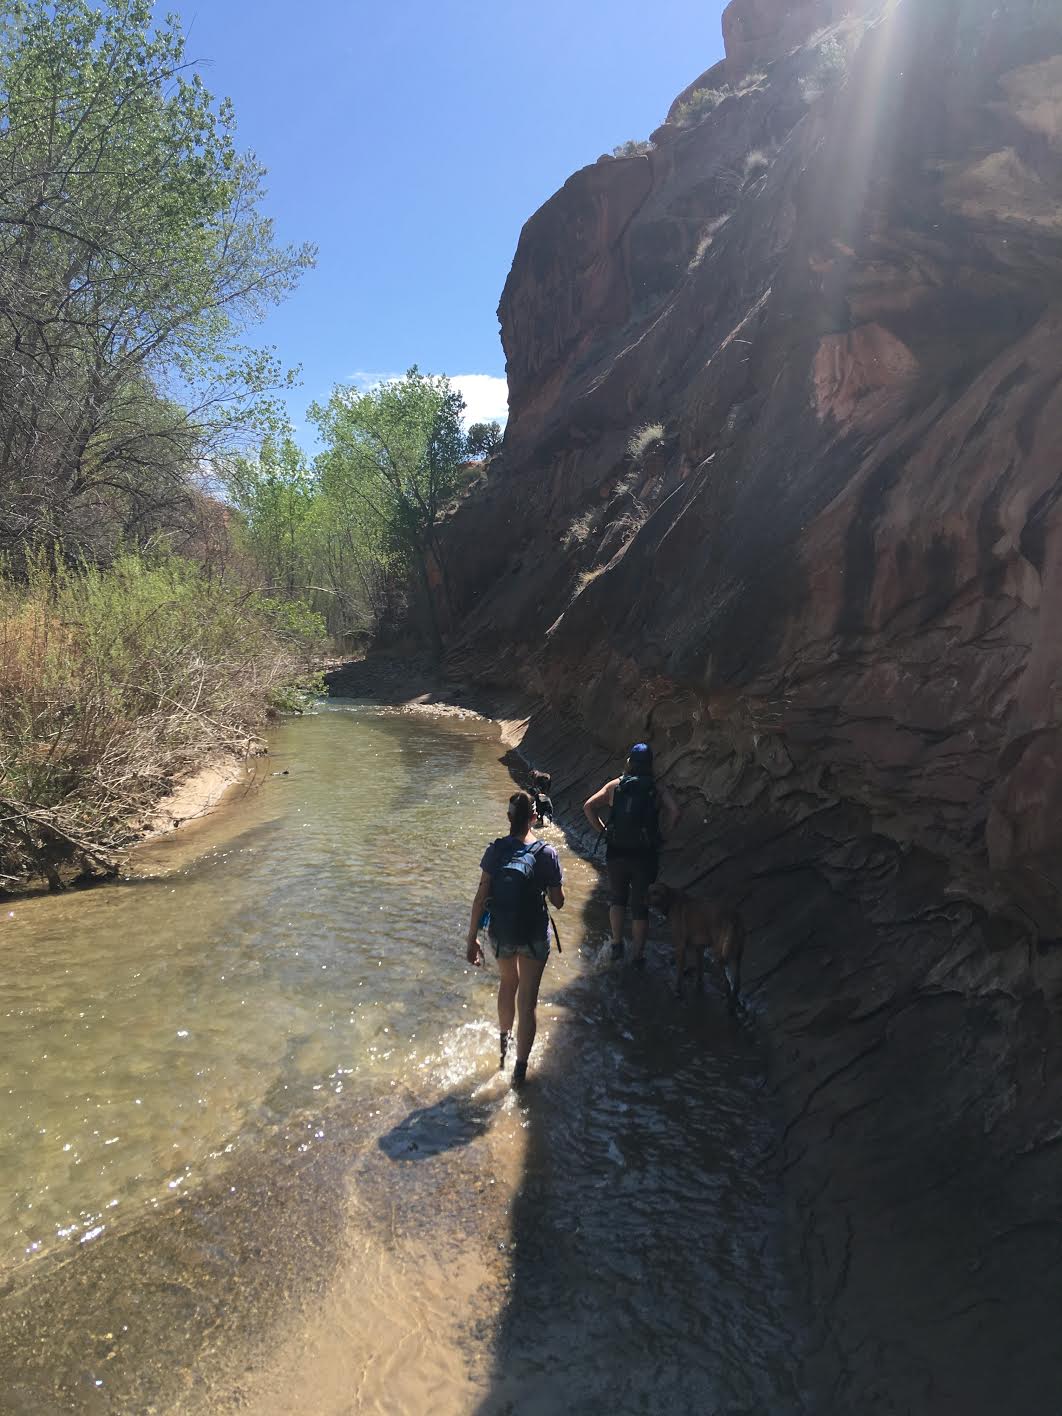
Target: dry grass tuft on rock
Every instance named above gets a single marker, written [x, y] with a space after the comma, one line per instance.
[587, 578]
[704, 241]
[647, 436]
[581, 529]
[756, 161]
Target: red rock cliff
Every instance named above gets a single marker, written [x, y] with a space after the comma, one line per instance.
[758, 31]
[829, 590]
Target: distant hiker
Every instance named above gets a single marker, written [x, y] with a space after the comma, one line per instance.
[632, 838]
[518, 874]
[539, 791]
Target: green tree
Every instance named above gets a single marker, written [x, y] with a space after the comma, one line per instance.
[397, 451]
[484, 439]
[353, 556]
[307, 536]
[276, 493]
[133, 257]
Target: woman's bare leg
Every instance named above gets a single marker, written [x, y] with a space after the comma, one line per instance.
[530, 976]
[507, 986]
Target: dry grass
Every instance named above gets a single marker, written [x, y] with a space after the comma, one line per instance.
[628, 485]
[756, 161]
[704, 243]
[581, 529]
[587, 578]
[112, 683]
[647, 436]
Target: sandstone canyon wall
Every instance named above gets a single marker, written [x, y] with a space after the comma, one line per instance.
[828, 592]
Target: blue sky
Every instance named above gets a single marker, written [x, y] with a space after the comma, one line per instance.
[411, 140]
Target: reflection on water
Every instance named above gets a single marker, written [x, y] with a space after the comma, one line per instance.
[255, 1156]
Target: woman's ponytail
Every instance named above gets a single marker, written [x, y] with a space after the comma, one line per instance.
[521, 810]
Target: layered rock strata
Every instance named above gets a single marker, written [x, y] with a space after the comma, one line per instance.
[826, 583]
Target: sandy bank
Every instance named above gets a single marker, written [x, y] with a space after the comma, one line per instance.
[198, 794]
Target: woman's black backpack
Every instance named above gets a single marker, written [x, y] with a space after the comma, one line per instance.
[517, 902]
[632, 823]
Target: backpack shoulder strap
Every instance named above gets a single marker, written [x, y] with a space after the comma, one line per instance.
[512, 848]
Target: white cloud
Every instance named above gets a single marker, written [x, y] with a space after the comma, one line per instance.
[365, 381]
[486, 397]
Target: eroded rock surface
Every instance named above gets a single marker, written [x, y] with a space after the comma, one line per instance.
[759, 31]
[830, 591]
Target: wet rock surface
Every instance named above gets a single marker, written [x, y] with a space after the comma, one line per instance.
[827, 592]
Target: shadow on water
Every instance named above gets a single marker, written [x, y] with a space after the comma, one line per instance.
[453, 1121]
[645, 1253]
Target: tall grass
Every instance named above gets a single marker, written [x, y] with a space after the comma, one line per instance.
[113, 683]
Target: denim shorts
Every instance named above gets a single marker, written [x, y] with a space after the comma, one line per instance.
[537, 949]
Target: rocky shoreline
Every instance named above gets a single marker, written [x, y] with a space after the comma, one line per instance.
[389, 678]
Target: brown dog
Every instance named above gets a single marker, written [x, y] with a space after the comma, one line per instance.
[697, 925]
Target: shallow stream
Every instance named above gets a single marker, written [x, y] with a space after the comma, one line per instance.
[255, 1155]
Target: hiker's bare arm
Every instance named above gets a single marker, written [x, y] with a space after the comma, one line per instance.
[473, 952]
[556, 896]
[597, 803]
[671, 811]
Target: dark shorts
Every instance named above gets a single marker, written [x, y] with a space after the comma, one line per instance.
[629, 878]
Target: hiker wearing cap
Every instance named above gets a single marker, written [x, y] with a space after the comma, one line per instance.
[632, 836]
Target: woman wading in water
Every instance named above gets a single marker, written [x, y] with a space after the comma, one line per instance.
[518, 872]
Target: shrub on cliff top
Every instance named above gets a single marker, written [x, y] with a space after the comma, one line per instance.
[697, 107]
[484, 440]
[633, 147]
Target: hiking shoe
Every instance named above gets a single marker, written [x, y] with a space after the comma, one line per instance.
[617, 951]
[639, 962]
[519, 1075]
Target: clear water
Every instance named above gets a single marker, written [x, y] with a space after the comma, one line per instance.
[255, 1155]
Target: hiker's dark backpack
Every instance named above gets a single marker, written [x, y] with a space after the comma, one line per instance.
[517, 904]
[543, 806]
[632, 824]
